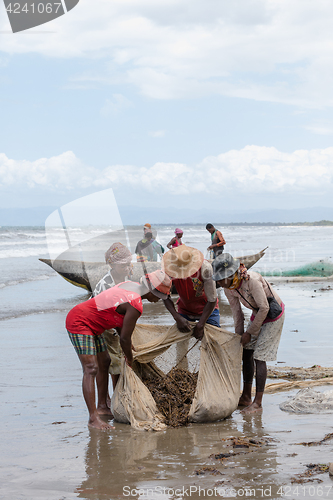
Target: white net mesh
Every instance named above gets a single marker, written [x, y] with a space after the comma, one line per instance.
[309, 401]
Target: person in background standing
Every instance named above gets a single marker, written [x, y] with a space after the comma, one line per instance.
[146, 228]
[148, 248]
[218, 241]
[156, 247]
[176, 241]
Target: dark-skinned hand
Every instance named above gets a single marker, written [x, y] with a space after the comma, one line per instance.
[246, 338]
[183, 325]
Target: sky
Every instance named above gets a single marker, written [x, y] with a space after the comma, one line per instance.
[183, 103]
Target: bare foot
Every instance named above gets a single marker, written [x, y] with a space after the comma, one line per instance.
[252, 408]
[97, 423]
[244, 401]
[104, 410]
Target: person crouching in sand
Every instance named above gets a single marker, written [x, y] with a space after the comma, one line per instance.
[261, 338]
[118, 307]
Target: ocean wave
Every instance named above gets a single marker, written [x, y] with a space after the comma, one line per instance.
[29, 312]
[19, 281]
[21, 252]
[28, 243]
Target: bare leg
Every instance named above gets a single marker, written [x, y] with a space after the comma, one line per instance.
[248, 373]
[261, 376]
[102, 380]
[90, 369]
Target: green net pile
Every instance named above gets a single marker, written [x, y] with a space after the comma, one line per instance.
[320, 268]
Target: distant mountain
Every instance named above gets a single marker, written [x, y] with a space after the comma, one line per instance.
[140, 215]
[36, 216]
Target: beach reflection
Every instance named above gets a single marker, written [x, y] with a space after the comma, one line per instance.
[127, 459]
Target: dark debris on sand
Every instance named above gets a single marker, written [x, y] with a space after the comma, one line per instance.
[245, 442]
[307, 476]
[243, 445]
[315, 372]
[207, 470]
[173, 394]
[315, 443]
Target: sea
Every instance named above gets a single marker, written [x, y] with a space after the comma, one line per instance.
[28, 286]
[49, 453]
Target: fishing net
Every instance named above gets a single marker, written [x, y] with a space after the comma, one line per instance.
[320, 269]
[309, 401]
[176, 379]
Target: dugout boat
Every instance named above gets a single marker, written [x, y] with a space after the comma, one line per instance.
[87, 274]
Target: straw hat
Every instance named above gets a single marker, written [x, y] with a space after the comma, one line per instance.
[182, 262]
[158, 283]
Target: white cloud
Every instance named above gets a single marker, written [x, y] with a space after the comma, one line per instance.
[320, 129]
[252, 170]
[115, 105]
[157, 134]
[272, 50]
[59, 172]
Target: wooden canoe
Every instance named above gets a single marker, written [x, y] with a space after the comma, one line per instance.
[87, 274]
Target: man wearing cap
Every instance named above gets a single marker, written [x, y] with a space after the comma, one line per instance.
[147, 228]
[147, 249]
[192, 277]
[262, 335]
[118, 307]
[118, 257]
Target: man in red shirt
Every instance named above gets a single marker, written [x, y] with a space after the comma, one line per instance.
[119, 307]
[192, 277]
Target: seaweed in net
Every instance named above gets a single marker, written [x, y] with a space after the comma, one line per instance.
[173, 394]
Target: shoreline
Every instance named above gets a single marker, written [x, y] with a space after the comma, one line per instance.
[49, 452]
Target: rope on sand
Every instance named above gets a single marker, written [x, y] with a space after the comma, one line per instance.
[287, 386]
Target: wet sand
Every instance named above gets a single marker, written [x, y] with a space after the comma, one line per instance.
[49, 453]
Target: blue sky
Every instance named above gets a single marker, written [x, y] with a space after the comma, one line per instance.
[189, 102]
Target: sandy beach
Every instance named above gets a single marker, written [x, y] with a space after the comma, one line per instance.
[49, 453]
[153, 124]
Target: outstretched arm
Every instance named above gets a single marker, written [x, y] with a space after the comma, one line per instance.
[171, 242]
[131, 317]
[198, 330]
[182, 323]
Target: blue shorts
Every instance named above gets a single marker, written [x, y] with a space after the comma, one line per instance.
[214, 318]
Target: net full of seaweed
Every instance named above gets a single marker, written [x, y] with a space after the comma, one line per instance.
[174, 393]
[174, 379]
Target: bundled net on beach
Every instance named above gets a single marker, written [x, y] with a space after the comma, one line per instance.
[175, 379]
[320, 269]
[309, 401]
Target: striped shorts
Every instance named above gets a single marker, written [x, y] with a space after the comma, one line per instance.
[87, 344]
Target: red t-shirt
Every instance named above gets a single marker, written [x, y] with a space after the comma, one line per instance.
[192, 297]
[95, 315]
